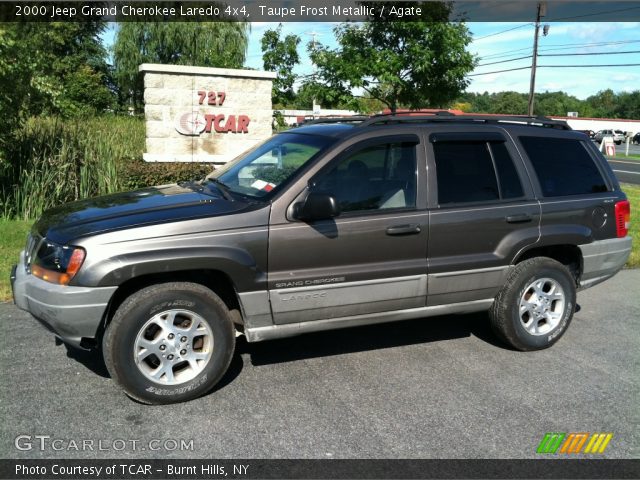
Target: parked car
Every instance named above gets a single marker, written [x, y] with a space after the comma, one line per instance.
[618, 136]
[325, 226]
[636, 139]
[588, 133]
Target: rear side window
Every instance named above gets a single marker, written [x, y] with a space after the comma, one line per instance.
[475, 172]
[465, 173]
[563, 166]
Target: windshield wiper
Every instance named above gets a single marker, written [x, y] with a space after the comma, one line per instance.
[224, 189]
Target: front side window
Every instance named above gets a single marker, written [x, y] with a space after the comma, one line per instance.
[377, 177]
[563, 166]
[263, 169]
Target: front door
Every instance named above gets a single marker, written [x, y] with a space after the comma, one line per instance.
[372, 257]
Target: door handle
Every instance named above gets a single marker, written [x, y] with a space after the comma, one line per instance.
[409, 229]
[519, 218]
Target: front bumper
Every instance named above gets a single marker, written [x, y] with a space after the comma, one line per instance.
[72, 313]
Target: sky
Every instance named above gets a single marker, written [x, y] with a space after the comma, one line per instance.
[598, 43]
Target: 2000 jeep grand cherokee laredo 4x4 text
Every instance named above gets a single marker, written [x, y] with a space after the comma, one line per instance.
[327, 226]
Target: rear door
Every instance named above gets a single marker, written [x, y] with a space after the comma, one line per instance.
[369, 259]
[483, 212]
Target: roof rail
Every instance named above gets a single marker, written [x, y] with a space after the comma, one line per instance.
[346, 119]
[449, 117]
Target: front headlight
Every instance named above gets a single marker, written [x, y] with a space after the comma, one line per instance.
[57, 263]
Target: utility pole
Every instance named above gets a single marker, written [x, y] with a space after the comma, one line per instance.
[542, 11]
[313, 34]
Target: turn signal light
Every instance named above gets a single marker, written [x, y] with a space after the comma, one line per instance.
[623, 218]
[60, 277]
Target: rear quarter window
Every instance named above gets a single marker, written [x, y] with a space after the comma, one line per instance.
[563, 166]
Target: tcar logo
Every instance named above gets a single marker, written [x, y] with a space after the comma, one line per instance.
[190, 123]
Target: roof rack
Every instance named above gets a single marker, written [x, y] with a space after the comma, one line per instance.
[448, 117]
[347, 119]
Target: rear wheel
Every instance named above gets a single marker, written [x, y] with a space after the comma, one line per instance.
[169, 343]
[536, 305]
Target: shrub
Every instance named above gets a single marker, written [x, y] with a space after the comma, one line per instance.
[138, 174]
[50, 161]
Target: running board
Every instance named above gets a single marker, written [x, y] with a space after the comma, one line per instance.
[258, 334]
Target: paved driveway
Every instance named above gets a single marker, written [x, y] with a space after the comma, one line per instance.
[427, 388]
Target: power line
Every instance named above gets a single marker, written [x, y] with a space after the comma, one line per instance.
[591, 53]
[503, 31]
[594, 44]
[505, 61]
[592, 14]
[559, 55]
[591, 66]
[558, 66]
[499, 71]
[561, 46]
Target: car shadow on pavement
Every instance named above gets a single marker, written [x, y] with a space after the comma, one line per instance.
[335, 342]
[371, 337]
[91, 359]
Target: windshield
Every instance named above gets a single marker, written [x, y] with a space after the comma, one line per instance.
[263, 169]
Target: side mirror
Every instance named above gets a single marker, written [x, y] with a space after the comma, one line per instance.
[317, 206]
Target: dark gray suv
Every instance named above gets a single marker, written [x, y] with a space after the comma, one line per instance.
[331, 225]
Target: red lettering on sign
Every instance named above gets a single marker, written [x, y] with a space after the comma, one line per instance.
[216, 124]
[243, 123]
[209, 119]
[213, 97]
[230, 126]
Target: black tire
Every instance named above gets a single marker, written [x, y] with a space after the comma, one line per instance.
[195, 302]
[505, 315]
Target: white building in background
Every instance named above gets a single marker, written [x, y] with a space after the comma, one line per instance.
[596, 124]
[293, 117]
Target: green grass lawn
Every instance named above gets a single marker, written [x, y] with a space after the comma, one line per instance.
[13, 235]
[622, 156]
[633, 194]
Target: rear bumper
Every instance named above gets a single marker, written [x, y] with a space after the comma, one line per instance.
[72, 313]
[602, 259]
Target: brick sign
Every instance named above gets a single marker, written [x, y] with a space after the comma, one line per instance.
[197, 114]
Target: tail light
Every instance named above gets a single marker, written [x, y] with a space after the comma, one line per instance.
[623, 218]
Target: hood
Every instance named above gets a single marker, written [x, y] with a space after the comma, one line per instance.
[147, 206]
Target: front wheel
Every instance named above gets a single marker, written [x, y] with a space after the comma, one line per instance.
[170, 342]
[536, 305]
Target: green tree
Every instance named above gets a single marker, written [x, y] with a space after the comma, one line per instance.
[324, 95]
[54, 68]
[210, 44]
[415, 64]
[61, 64]
[558, 103]
[603, 104]
[14, 81]
[508, 103]
[628, 105]
[281, 56]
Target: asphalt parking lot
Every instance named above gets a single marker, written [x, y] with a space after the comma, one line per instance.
[432, 388]
[626, 169]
